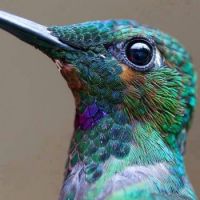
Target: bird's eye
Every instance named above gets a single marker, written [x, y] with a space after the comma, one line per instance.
[139, 53]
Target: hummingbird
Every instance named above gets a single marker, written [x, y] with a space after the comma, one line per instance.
[134, 88]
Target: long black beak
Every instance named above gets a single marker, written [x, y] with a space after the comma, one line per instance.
[30, 32]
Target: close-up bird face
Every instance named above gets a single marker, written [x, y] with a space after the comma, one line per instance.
[134, 89]
[119, 65]
[123, 65]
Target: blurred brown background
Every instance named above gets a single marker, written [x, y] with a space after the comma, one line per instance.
[36, 106]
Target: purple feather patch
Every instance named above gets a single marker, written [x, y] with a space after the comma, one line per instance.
[89, 118]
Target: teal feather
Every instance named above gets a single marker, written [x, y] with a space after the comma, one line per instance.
[148, 115]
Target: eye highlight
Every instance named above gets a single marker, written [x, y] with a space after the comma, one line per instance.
[139, 53]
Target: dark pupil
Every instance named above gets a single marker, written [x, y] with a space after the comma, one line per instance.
[139, 53]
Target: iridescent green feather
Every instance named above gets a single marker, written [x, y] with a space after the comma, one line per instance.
[141, 138]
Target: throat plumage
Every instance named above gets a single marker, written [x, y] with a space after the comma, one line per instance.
[108, 152]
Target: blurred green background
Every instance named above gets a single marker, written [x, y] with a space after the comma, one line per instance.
[36, 106]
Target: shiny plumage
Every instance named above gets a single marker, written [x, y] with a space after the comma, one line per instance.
[131, 122]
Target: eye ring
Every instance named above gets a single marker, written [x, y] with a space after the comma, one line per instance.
[146, 45]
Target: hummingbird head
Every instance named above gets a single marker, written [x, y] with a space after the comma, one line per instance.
[119, 65]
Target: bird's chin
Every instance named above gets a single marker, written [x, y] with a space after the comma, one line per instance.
[69, 73]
